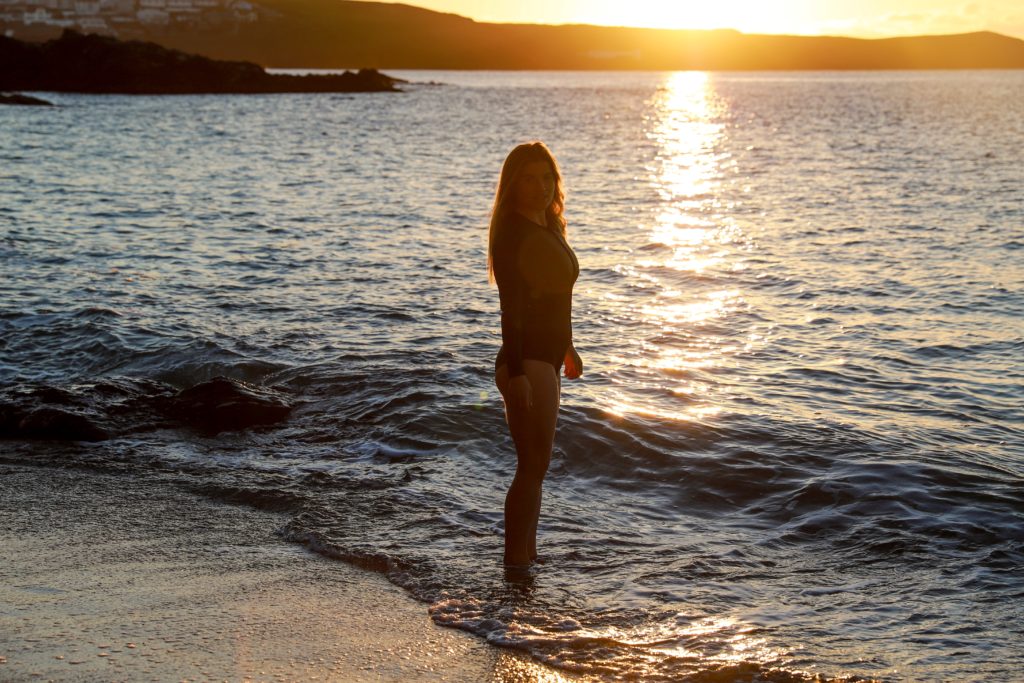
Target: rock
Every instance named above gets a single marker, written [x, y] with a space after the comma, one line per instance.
[18, 98]
[225, 404]
[111, 407]
[100, 64]
[11, 416]
[60, 425]
[86, 411]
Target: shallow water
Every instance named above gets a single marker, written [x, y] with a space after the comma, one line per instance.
[797, 448]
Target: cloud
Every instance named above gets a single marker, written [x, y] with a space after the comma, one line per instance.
[966, 18]
[1006, 18]
[1009, 22]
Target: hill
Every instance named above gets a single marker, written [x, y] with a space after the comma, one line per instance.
[345, 34]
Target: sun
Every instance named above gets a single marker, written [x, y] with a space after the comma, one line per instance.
[705, 15]
[751, 16]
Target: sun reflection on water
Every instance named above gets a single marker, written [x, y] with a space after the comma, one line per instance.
[691, 243]
[687, 133]
[713, 306]
[703, 645]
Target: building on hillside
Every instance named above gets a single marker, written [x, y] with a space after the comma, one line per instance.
[44, 18]
[153, 17]
[87, 8]
[117, 7]
[243, 11]
[94, 25]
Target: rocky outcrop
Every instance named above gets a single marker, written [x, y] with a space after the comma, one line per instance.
[18, 98]
[99, 64]
[107, 408]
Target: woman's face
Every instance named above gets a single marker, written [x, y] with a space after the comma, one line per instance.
[535, 187]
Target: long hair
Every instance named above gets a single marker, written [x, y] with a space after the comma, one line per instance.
[515, 161]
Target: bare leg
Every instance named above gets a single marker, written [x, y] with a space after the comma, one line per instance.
[532, 534]
[533, 432]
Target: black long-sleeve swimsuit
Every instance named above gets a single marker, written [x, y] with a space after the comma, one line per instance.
[535, 269]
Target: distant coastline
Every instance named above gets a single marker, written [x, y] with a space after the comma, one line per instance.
[345, 34]
[101, 64]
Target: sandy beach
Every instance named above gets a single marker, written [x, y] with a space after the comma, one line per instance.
[121, 578]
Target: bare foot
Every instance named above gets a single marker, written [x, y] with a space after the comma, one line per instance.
[517, 561]
[518, 574]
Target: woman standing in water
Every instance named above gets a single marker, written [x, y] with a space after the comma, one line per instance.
[535, 270]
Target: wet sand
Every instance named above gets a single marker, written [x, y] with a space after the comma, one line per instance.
[116, 577]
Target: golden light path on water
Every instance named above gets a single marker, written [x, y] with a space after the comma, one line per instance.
[692, 235]
[709, 644]
[696, 238]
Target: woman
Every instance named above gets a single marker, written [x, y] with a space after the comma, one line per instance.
[535, 270]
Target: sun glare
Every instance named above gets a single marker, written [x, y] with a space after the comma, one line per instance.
[787, 16]
[861, 18]
[693, 245]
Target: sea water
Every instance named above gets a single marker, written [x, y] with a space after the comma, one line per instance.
[798, 445]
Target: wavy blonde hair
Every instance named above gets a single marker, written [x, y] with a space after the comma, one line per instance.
[523, 154]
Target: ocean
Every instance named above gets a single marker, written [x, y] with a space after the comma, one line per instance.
[797, 449]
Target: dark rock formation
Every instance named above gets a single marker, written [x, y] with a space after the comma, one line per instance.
[104, 409]
[224, 404]
[58, 424]
[18, 98]
[100, 64]
[80, 412]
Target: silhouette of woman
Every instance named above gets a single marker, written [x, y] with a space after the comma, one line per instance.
[535, 269]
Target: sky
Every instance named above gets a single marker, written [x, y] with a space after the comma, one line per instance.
[858, 18]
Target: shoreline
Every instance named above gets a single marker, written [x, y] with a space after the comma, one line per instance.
[126, 577]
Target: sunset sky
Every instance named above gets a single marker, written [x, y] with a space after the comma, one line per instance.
[861, 18]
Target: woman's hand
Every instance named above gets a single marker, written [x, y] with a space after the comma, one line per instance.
[573, 363]
[520, 392]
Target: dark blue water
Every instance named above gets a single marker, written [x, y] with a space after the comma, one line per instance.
[799, 445]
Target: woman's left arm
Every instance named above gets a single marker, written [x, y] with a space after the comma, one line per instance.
[573, 363]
